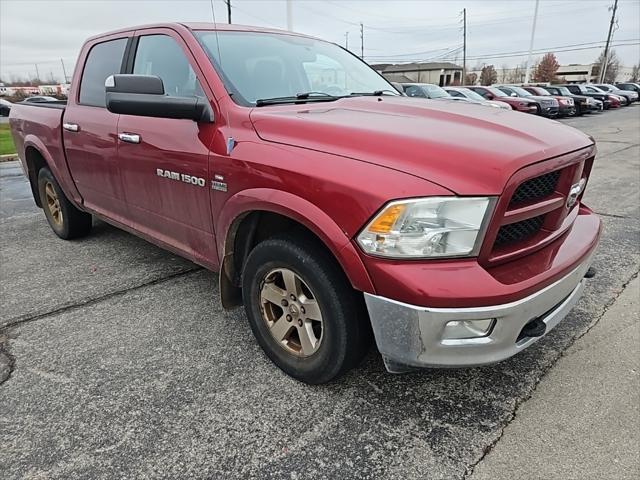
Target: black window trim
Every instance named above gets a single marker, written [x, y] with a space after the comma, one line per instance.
[86, 59]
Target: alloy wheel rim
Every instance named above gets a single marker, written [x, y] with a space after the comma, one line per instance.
[53, 204]
[291, 312]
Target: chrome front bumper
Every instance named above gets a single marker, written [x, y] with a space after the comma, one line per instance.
[412, 336]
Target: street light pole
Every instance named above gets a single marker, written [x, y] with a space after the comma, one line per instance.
[361, 41]
[346, 40]
[290, 15]
[533, 33]
[464, 46]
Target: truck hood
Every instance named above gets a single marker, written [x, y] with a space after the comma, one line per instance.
[468, 149]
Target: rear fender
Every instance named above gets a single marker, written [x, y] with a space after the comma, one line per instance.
[60, 172]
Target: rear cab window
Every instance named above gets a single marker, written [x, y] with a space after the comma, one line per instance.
[104, 59]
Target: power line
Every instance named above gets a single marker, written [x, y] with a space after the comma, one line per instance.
[537, 52]
[596, 44]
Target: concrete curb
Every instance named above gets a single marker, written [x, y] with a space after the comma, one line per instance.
[9, 157]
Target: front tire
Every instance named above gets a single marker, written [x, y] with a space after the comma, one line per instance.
[302, 310]
[64, 218]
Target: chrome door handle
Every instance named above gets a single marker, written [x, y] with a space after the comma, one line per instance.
[71, 127]
[129, 137]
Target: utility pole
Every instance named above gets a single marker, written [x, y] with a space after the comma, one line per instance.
[346, 40]
[228, 2]
[361, 41]
[533, 33]
[605, 59]
[64, 72]
[290, 15]
[464, 46]
[37, 72]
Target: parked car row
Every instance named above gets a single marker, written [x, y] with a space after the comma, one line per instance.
[5, 105]
[546, 100]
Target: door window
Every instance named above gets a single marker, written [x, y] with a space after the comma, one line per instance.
[104, 59]
[161, 55]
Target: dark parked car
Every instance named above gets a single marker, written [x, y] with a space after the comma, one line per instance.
[5, 107]
[629, 86]
[628, 95]
[577, 89]
[548, 106]
[583, 103]
[517, 103]
[566, 105]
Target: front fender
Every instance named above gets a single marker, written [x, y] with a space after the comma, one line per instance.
[303, 212]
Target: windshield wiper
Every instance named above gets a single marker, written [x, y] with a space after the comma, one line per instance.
[375, 93]
[298, 98]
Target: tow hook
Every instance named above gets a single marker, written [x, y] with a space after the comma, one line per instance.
[590, 273]
[535, 328]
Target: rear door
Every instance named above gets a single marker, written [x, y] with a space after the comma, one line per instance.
[164, 162]
[89, 130]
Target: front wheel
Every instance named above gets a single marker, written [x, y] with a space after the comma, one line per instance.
[302, 310]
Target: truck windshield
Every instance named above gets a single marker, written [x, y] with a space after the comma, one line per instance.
[265, 66]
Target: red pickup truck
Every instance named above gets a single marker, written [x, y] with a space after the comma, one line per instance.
[334, 208]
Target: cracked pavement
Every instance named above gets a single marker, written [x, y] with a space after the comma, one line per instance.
[116, 361]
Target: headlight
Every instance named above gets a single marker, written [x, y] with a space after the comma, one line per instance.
[428, 227]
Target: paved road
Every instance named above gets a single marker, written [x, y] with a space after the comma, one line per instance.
[118, 362]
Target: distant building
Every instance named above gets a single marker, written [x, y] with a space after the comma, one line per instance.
[575, 73]
[443, 73]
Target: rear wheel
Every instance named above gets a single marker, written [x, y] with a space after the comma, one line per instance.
[64, 219]
[302, 310]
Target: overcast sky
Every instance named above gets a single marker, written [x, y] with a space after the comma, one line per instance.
[43, 32]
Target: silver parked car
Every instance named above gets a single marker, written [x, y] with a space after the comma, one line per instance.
[462, 92]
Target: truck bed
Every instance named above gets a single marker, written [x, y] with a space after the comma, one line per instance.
[39, 126]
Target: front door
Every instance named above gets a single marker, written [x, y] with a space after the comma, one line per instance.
[164, 162]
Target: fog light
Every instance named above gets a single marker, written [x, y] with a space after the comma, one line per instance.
[462, 329]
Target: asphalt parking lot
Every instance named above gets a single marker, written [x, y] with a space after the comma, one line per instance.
[116, 361]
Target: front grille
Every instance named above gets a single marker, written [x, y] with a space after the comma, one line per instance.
[519, 231]
[536, 188]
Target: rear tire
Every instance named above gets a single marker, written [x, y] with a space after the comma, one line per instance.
[283, 275]
[64, 218]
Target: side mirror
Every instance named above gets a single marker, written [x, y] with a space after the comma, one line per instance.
[514, 94]
[143, 95]
[488, 96]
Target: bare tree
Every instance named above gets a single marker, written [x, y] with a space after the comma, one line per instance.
[504, 73]
[613, 66]
[470, 78]
[635, 73]
[488, 75]
[517, 74]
